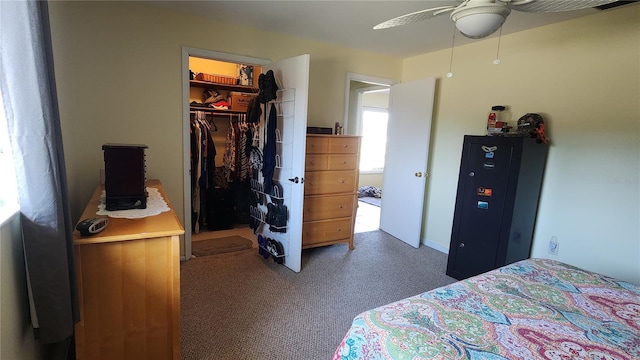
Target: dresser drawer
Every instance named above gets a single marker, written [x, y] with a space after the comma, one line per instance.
[325, 230]
[327, 207]
[343, 145]
[342, 162]
[317, 145]
[316, 162]
[331, 162]
[329, 182]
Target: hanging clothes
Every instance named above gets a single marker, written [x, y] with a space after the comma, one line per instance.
[269, 150]
[242, 158]
[202, 161]
[239, 142]
[229, 158]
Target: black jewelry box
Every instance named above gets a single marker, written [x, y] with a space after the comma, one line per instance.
[125, 176]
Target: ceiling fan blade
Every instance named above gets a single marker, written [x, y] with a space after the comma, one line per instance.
[414, 16]
[554, 5]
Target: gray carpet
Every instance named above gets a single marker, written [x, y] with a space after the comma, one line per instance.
[371, 200]
[240, 306]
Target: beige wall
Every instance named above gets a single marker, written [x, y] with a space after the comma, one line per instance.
[583, 76]
[118, 72]
[354, 91]
[370, 180]
[376, 99]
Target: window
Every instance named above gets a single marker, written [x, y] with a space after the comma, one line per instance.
[8, 186]
[374, 139]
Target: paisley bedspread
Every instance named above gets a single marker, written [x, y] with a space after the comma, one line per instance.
[532, 309]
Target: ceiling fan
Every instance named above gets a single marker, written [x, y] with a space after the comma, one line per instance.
[480, 18]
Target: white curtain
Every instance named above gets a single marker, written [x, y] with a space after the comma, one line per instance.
[28, 88]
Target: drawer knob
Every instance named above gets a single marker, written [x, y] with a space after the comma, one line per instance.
[342, 181]
[340, 206]
[344, 162]
[345, 145]
[461, 245]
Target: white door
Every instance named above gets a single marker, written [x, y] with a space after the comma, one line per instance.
[292, 78]
[405, 169]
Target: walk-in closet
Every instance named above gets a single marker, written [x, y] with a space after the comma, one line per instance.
[220, 134]
[244, 155]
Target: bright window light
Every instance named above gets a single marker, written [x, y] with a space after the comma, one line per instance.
[8, 185]
[374, 139]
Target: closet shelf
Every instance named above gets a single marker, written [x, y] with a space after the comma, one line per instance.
[216, 111]
[227, 87]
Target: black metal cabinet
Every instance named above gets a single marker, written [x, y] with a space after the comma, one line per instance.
[496, 203]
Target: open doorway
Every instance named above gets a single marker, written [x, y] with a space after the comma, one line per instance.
[366, 115]
[372, 122]
[219, 94]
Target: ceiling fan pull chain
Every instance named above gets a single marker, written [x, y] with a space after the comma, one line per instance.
[453, 42]
[497, 59]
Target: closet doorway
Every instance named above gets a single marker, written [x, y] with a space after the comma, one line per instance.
[217, 88]
[274, 147]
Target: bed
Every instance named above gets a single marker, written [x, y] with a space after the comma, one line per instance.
[532, 309]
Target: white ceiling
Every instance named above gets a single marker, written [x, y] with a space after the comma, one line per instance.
[350, 23]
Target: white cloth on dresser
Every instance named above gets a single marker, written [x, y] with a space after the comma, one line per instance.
[155, 206]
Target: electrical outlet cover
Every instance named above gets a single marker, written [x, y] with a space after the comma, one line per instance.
[553, 246]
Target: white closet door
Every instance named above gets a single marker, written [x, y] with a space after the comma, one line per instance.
[292, 77]
[405, 169]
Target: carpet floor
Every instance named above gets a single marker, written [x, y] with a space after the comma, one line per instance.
[220, 245]
[240, 306]
[371, 200]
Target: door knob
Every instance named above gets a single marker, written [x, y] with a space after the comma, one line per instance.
[295, 180]
[419, 174]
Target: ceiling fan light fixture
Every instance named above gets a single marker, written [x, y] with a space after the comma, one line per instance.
[480, 21]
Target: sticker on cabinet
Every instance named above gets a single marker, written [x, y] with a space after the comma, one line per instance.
[484, 191]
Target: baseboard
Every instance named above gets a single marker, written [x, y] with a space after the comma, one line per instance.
[436, 246]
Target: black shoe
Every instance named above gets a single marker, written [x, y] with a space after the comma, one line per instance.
[262, 247]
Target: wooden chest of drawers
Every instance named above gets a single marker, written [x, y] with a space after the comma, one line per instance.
[129, 286]
[330, 190]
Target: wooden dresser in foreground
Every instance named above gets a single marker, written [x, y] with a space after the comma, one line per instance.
[330, 190]
[129, 286]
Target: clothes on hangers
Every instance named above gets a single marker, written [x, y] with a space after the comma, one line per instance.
[269, 150]
[239, 141]
[202, 162]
